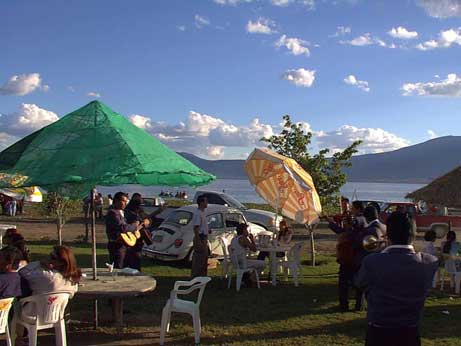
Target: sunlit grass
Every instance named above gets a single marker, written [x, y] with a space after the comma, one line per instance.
[282, 315]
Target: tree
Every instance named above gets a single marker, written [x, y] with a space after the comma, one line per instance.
[61, 208]
[293, 142]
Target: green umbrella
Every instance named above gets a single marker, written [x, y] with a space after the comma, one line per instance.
[95, 146]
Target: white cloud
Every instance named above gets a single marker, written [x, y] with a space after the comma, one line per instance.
[446, 39]
[432, 134]
[367, 40]
[71, 88]
[6, 140]
[22, 84]
[282, 3]
[204, 134]
[300, 77]
[361, 84]
[201, 21]
[181, 27]
[93, 94]
[27, 119]
[231, 2]
[215, 152]
[342, 31]
[442, 8]
[375, 140]
[402, 33]
[261, 26]
[363, 40]
[140, 121]
[295, 45]
[449, 87]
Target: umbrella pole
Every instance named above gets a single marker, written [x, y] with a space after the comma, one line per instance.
[93, 235]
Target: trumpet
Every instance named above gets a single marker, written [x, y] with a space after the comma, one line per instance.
[372, 243]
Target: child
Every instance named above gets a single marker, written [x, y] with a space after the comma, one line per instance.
[10, 281]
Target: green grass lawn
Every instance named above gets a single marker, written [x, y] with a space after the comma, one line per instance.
[282, 315]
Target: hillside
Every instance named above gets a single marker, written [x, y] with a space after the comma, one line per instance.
[418, 163]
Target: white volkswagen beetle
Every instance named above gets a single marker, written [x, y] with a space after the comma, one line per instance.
[172, 241]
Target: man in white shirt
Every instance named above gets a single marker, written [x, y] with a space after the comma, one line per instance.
[200, 245]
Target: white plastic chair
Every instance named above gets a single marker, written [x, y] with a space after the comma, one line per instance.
[239, 269]
[225, 263]
[184, 306]
[454, 274]
[49, 313]
[292, 265]
[5, 307]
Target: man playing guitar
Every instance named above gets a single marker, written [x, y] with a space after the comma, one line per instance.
[116, 226]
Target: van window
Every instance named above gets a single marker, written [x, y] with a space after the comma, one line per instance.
[234, 219]
[180, 217]
[214, 199]
[215, 221]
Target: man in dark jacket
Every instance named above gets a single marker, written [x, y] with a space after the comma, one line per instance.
[116, 224]
[397, 281]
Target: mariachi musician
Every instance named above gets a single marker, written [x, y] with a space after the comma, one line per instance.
[135, 212]
[117, 229]
[347, 227]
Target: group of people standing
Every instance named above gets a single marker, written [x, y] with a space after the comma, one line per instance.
[394, 278]
[11, 206]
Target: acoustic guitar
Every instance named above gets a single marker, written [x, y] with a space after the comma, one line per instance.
[130, 238]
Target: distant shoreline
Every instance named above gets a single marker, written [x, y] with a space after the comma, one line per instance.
[375, 181]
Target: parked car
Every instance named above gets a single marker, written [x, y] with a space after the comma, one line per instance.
[264, 218]
[438, 220]
[172, 241]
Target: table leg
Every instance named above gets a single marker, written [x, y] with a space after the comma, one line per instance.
[273, 268]
[117, 308]
[95, 314]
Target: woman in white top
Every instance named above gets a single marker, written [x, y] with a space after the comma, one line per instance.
[429, 240]
[241, 244]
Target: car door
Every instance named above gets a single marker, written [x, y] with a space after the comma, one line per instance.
[216, 226]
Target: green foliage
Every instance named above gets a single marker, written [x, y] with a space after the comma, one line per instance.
[326, 172]
[55, 205]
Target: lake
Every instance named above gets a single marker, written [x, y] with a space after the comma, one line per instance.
[243, 191]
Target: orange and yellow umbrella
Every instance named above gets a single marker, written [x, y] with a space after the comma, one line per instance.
[284, 184]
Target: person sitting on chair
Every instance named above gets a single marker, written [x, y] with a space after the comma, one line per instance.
[283, 237]
[241, 244]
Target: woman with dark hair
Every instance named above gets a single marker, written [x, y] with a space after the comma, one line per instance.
[13, 238]
[451, 246]
[59, 273]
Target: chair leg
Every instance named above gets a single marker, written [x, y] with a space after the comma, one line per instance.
[294, 272]
[457, 283]
[32, 333]
[8, 336]
[229, 280]
[257, 279]
[239, 280]
[197, 326]
[60, 331]
[163, 325]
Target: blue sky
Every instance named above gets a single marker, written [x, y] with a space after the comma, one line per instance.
[197, 73]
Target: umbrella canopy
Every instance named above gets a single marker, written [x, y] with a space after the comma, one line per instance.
[282, 183]
[445, 190]
[96, 146]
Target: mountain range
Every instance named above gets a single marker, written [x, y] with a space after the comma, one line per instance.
[419, 163]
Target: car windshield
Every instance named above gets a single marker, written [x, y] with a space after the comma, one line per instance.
[235, 203]
[180, 217]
